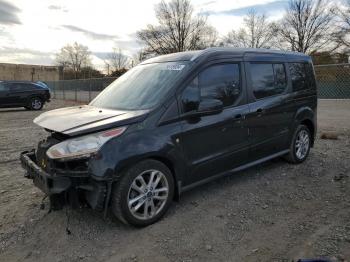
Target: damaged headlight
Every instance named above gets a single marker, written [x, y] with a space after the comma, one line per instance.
[84, 145]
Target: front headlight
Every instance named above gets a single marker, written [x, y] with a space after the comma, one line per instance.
[84, 145]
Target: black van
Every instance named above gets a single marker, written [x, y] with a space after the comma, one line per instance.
[174, 122]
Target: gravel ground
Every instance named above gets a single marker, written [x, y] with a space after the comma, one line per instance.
[271, 212]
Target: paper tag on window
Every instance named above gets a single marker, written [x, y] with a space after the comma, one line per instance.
[175, 67]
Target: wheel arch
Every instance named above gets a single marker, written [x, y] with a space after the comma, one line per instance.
[169, 164]
[310, 125]
[31, 96]
[165, 161]
[306, 116]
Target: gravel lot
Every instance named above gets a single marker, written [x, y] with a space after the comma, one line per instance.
[272, 212]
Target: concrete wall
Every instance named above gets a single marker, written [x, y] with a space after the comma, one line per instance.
[29, 72]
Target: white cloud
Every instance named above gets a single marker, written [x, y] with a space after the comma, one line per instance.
[46, 26]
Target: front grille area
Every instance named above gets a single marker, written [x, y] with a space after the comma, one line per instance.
[75, 167]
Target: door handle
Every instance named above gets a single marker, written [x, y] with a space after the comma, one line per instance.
[259, 111]
[239, 117]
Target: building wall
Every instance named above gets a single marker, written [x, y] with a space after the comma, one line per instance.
[29, 72]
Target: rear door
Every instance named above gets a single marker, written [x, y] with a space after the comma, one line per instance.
[19, 93]
[270, 113]
[215, 143]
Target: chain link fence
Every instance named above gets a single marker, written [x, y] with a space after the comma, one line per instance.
[82, 90]
[333, 82]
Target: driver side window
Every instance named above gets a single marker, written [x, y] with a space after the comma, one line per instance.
[220, 82]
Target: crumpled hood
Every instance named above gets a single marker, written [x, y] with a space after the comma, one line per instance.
[78, 120]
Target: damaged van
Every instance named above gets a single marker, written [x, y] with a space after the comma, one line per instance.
[174, 122]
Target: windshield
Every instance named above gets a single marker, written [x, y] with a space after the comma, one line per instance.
[142, 87]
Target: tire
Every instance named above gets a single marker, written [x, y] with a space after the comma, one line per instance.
[141, 203]
[302, 137]
[35, 103]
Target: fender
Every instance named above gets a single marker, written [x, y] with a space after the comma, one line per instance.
[302, 114]
[137, 145]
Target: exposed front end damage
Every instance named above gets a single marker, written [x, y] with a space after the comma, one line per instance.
[61, 166]
[65, 182]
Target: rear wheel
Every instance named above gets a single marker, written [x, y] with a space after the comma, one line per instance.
[143, 194]
[300, 145]
[36, 103]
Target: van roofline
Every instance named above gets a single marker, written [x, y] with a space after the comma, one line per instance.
[194, 55]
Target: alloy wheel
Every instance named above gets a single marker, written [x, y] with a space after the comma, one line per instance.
[148, 194]
[36, 104]
[302, 144]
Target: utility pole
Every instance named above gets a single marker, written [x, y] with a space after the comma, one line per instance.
[33, 73]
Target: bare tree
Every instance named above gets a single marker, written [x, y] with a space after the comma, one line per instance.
[209, 37]
[178, 30]
[256, 33]
[307, 26]
[138, 57]
[74, 57]
[117, 60]
[342, 35]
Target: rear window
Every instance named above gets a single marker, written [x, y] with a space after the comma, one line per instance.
[268, 79]
[310, 76]
[15, 87]
[302, 76]
[28, 87]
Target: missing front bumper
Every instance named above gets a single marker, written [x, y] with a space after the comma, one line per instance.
[47, 183]
[65, 189]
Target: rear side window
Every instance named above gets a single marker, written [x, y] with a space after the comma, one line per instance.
[302, 75]
[220, 82]
[268, 79]
[15, 87]
[22, 87]
[310, 76]
[28, 87]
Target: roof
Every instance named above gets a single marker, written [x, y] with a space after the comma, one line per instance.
[18, 81]
[180, 56]
[193, 55]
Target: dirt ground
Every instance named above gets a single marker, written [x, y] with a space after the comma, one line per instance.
[272, 212]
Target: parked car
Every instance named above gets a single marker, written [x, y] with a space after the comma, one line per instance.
[174, 122]
[30, 95]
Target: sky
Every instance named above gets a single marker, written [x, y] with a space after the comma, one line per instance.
[33, 31]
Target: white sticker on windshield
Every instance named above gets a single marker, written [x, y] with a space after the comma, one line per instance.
[175, 67]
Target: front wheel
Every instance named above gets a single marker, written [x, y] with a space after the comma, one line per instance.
[300, 145]
[143, 194]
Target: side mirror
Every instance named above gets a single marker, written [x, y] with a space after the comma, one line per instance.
[210, 106]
